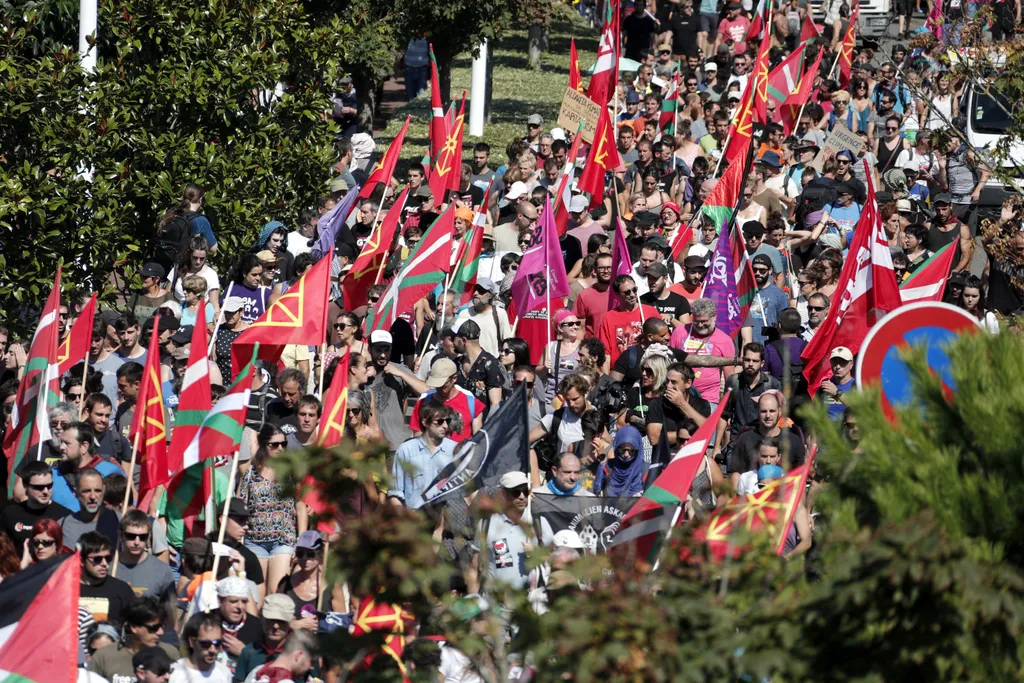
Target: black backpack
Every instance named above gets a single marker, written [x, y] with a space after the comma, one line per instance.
[813, 198]
[797, 381]
[172, 240]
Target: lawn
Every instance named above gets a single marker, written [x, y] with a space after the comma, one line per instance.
[518, 91]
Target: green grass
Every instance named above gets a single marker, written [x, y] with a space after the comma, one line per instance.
[518, 91]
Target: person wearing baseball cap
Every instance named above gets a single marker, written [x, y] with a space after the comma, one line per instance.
[840, 383]
[581, 224]
[945, 227]
[145, 301]
[492, 319]
[443, 382]
[277, 614]
[673, 307]
[152, 664]
[505, 538]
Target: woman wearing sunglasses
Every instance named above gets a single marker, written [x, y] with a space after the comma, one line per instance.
[562, 356]
[304, 583]
[346, 331]
[273, 524]
[46, 541]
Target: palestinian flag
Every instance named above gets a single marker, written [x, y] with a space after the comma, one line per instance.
[149, 429]
[646, 524]
[928, 283]
[790, 109]
[39, 622]
[221, 430]
[190, 499]
[669, 107]
[29, 425]
[75, 346]
[721, 203]
[194, 401]
[809, 31]
[426, 267]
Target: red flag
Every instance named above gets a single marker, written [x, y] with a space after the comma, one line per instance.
[437, 128]
[564, 193]
[43, 644]
[809, 30]
[298, 317]
[786, 77]
[424, 269]
[866, 292]
[446, 173]
[75, 346]
[928, 283]
[606, 70]
[30, 425]
[332, 426]
[846, 51]
[795, 483]
[648, 520]
[621, 264]
[374, 253]
[681, 238]
[790, 109]
[385, 168]
[760, 78]
[149, 429]
[742, 129]
[604, 156]
[575, 79]
[194, 399]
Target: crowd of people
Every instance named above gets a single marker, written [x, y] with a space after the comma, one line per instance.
[621, 364]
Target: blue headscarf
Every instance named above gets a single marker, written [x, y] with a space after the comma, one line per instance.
[265, 234]
[626, 477]
[769, 472]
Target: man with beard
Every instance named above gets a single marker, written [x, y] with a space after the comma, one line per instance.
[746, 387]
[694, 270]
[203, 636]
[103, 595]
[745, 449]
[392, 385]
[17, 519]
[592, 303]
[110, 445]
[493, 321]
[77, 455]
[769, 302]
[621, 326]
[143, 627]
[817, 311]
[479, 371]
[291, 384]
[673, 308]
[523, 221]
[92, 515]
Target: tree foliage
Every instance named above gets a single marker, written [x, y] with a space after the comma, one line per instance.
[916, 573]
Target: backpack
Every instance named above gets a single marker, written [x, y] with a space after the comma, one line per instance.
[546, 447]
[172, 240]
[797, 381]
[813, 198]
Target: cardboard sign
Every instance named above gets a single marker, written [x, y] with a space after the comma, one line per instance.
[577, 107]
[839, 139]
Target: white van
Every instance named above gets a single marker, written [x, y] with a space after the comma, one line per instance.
[873, 19]
[986, 118]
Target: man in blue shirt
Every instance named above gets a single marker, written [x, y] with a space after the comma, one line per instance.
[76, 449]
[767, 305]
[419, 461]
[842, 216]
[840, 383]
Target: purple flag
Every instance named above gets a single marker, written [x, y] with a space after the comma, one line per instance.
[721, 287]
[331, 222]
[542, 266]
[621, 264]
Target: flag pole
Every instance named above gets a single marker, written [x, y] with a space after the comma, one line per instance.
[85, 374]
[220, 318]
[722, 155]
[675, 520]
[323, 569]
[227, 503]
[323, 363]
[547, 294]
[380, 271]
[127, 493]
[45, 397]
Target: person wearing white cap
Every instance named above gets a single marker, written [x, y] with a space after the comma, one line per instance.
[567, 547]
[840, 383]
[492, 319]
[504, 538]
[239, 630]
[442, 380]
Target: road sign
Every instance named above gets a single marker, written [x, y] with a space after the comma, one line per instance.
[929, 323]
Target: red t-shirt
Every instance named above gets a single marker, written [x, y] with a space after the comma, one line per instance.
[591, 306]
[463, 402]
[533, 329]
[737, 30]
[620, 330]
[678, 288]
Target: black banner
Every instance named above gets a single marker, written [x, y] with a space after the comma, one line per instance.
[595, 518]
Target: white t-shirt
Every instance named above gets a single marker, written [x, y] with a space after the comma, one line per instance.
[456, 667]
[298, 243]
[207, 273]
[782, 183]
[570, 429]
[181, 672]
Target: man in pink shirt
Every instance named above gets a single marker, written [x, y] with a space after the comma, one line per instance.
[592, 303]
[734, 26]
[702, 338]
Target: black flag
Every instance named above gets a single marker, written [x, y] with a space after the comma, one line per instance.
[596, 519]
[500, 446]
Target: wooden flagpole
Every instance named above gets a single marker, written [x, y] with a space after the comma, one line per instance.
[127, 493]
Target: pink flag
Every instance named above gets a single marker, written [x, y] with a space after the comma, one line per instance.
[621, 264]
[542, 266]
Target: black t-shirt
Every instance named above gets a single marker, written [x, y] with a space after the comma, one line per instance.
[482, 375]
[572, 252]
[250, 631]
[628, 363]
[17, 519]
[403, 341]
[684, 32]
[638, 28]
[107, 600]
[672, 418]
[282, 416]
[361, 233]
[745, 453]
[673, 307]
[474, 196]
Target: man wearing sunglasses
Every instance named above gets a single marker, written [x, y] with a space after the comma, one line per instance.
[621, 326]
[278, 612]
[418, 461]
[504, 539]
[104, 596]
[768, 304]
[153, 665]
[136, 566]
[17, 519]
[142, 629]
[204, 637]
[444, 388]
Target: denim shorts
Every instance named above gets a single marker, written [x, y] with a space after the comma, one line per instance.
[264, 551]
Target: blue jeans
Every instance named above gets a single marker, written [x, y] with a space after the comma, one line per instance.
[415, 80]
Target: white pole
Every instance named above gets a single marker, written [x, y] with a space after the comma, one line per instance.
[87, 22]
[478, 93]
